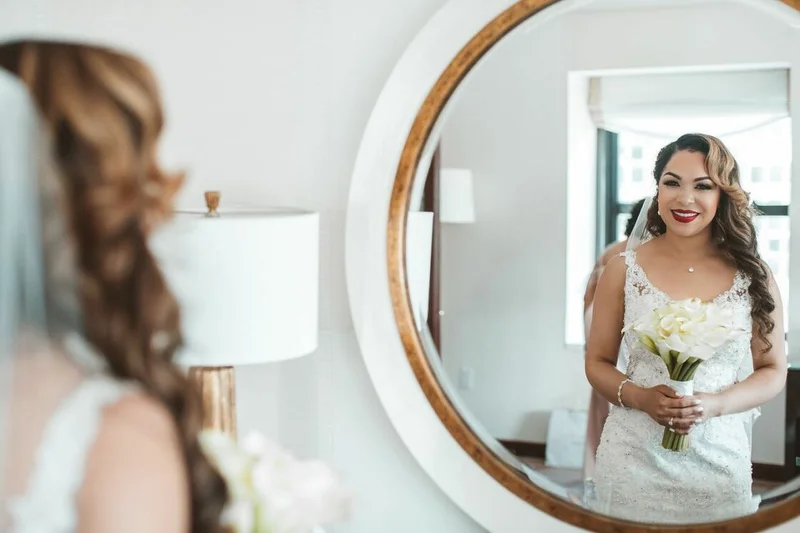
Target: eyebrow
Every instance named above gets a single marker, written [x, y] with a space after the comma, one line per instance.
[701, 178]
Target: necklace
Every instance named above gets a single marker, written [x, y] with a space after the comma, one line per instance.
[691, 269]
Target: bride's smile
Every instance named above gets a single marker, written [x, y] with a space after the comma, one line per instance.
[684, 216]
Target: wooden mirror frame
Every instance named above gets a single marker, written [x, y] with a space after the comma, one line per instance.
[503, 473]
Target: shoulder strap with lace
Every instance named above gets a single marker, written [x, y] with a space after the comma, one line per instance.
[49, 504]
[629, 256]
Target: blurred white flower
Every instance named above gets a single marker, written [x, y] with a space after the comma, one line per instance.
[271, 491]
[233, 463]
[239, 515]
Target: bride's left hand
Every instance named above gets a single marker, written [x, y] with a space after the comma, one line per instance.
[711, 404]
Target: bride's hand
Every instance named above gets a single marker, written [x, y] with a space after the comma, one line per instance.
[711, 403]
[664, 406]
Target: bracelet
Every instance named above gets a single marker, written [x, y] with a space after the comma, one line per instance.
[619, 392]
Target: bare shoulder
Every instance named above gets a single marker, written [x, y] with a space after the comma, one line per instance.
[613, 276]
[616, 265]
[774, 290]
[651, 247]
[611, 251]
[136, 477]
[771, 281]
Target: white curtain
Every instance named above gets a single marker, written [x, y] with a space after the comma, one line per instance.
[717, 102]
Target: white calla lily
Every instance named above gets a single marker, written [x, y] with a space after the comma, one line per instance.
[683, 334]
[270, 490]
[677, 343]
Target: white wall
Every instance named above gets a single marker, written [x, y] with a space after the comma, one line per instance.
[267, 101]
[504, 278]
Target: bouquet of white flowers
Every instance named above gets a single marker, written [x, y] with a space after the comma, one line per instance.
[684, 334]
[271, 491]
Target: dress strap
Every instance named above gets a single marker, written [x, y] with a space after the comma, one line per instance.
[49, 504]
[630, 257]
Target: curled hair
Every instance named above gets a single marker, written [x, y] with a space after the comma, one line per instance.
[105, 117]
[732, 227]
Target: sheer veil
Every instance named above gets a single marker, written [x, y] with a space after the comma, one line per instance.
[40, 316]
[640, 234]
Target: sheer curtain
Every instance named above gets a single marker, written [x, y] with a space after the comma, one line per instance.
[665, 105]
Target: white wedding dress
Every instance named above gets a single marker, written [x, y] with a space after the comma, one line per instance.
[66, 424]
[635, 478]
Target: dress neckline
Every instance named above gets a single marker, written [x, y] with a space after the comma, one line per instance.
[737, 276]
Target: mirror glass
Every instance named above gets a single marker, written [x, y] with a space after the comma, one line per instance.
[530, 179]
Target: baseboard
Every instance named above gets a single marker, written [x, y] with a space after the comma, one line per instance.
[533, 450]
[536, 450]
[770, 472]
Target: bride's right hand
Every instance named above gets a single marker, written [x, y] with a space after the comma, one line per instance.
[663, 405]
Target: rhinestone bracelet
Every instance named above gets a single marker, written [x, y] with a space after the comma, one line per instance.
[619, 391]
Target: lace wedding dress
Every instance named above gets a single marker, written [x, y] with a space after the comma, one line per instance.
[66, 422]
[635, 478]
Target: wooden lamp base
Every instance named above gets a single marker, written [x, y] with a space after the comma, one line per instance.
[217, 388]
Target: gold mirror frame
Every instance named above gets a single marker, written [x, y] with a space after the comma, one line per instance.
[504, 474]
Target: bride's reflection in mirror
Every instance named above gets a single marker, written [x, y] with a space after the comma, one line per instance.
[684, 356]
[529, 189]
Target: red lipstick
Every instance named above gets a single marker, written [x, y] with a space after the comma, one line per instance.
[684, 216]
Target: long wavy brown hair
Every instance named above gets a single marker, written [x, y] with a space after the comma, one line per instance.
[732, 228]
[104, 110]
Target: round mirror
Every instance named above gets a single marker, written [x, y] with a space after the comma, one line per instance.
[521, 177]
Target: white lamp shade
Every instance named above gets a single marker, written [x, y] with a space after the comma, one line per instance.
[247, 283]
[419, 239]
[456, 204]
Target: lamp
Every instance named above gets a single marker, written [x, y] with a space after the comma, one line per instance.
[457, 203]
[247, 283]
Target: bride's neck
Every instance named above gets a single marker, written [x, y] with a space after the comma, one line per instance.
[694, 247]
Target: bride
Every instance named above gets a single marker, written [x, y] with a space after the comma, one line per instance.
[703, 245]
[97, 430]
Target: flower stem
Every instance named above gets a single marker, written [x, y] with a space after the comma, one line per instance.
[673, 363]
[674, 442]
[690, 369]
[666, 439]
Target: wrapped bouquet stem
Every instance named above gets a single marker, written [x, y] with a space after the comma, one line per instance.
[683, 334]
